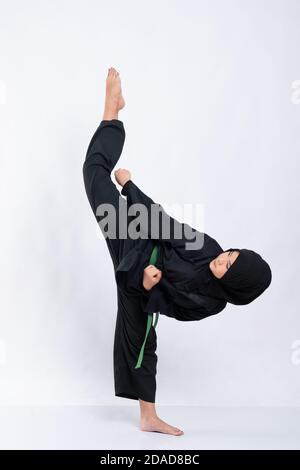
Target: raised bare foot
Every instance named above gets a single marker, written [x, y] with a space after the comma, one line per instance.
[155, 424]
[114, 98]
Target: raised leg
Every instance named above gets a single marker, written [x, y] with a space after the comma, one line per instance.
[102, 155]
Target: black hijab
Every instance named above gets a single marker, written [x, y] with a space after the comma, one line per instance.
[247, 278]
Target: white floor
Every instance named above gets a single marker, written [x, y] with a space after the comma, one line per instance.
[108, 427]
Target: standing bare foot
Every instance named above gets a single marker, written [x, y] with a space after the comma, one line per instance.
[114, 100]
[155, 424]
[151, 422]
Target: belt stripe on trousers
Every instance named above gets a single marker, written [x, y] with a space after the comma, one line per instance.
[153, 259]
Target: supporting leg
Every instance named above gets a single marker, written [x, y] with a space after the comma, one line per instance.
[129, 334]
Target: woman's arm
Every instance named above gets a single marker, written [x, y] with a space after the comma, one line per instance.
[165, 228]
[188, 306]
[136, 196]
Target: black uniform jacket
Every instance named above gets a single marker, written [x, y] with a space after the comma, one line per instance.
[176, 294]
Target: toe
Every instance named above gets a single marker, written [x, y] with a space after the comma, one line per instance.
[179, 431]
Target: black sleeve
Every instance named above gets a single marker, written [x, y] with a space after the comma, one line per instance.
[135, 195]
[178, 233]
[187, 306]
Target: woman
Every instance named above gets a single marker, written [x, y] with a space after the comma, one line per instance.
[156, 273]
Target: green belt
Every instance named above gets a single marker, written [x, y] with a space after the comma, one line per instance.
[153, 259]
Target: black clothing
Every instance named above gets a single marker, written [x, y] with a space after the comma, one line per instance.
[188, 290]
[177, 294]
[102, 155]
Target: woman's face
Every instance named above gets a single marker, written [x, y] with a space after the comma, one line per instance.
[222, 263]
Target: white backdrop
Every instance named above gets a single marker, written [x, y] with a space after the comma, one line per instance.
[212, 116]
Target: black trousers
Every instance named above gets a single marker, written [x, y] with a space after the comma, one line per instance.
[102, 155]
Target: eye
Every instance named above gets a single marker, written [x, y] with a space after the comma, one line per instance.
[228, 257]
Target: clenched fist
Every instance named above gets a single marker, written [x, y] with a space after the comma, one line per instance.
[152, 276]
[122, 176]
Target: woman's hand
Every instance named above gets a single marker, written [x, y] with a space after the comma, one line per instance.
[152, 276]
[122, 176]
